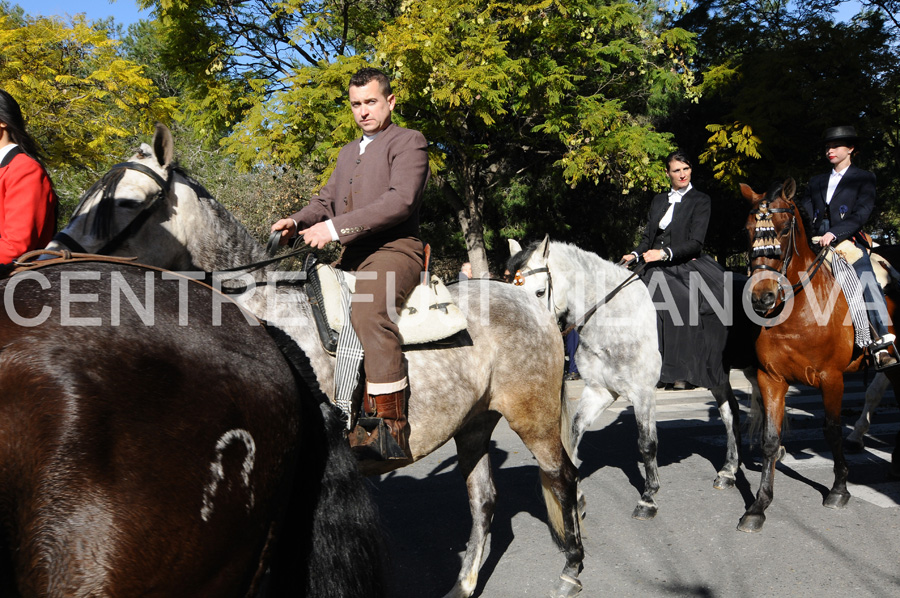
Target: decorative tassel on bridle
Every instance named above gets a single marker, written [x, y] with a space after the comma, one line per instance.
[765, 239]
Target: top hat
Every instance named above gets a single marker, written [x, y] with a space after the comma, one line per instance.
[840, 134]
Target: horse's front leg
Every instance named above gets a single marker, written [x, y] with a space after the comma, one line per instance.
[644, 402]
[874, 394]
[833, 394]
[773, 389]
[472, 444]
[730, 414]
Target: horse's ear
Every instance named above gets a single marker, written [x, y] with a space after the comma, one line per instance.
[514, 247]
[789, 188]
[163, 145]
[749, 194]
[544, 248]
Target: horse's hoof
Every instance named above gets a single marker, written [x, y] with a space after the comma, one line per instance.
[643, 511]
[566, 587]
[723, 482]
[854, 446]
[751, 523]
[836, 500]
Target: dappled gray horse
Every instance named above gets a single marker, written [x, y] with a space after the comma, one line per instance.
[509, 368]
[618, 355]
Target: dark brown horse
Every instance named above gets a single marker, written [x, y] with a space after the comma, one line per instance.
[155, 442]
[806, 341]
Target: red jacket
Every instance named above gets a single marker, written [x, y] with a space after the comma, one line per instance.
[27, 206]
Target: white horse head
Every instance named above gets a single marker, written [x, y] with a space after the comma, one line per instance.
[535, 277]
[148, 207]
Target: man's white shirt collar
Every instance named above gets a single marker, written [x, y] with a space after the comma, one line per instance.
[366, 140]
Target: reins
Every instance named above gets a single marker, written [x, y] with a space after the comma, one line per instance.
[31, 261]
[580, 322]
[271, 247]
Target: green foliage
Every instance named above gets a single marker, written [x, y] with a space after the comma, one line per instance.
[82, 101]
[727, 149]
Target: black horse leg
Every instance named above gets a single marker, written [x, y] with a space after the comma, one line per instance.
[730, 414]
[895, 458]
[472, 444]
[773, 391]
[832, 395]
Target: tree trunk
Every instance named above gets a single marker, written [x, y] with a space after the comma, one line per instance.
[469, 215]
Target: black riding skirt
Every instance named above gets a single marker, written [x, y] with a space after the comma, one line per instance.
[691, 333]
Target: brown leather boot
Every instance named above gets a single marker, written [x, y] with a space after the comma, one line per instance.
[386, 435]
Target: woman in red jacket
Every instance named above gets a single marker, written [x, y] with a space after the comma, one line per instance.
[27, 200]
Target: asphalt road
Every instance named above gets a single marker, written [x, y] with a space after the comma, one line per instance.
[692, 547]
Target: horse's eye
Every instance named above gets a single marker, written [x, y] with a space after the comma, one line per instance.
[541, 293]
[784, 232]
[128, 204]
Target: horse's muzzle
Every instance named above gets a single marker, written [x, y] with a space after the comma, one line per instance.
[763, 302]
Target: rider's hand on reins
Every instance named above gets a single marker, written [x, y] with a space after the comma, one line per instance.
[629, 261]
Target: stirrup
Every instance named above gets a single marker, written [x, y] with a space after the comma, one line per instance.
[883, 345]
[372, 440]
[883, 342]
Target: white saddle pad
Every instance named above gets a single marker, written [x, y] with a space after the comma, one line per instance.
[428, 315]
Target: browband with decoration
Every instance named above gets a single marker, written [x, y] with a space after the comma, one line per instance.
[765, 240]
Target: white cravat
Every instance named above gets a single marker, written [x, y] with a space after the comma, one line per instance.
[833, 182]
[674, 198]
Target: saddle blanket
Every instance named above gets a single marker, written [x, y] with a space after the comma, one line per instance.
[428, 315]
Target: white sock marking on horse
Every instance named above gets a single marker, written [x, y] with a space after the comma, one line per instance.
[217, 471]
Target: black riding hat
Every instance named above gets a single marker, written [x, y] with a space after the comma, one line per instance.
[845, 133]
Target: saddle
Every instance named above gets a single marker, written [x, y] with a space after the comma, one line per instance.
[428, 315]
[851, 253]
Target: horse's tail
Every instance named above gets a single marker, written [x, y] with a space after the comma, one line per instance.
[567, 425]
[331, 544]
[556, 511]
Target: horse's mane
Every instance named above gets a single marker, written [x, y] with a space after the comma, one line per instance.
[228, 236]
[106, 206]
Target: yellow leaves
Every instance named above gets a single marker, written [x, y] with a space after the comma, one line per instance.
[80, 98]
[728, 149]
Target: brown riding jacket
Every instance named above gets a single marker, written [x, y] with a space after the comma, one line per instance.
[374, 198]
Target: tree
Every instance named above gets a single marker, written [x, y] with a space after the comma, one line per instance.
[82, 101]
[498, 88]
[775, 75]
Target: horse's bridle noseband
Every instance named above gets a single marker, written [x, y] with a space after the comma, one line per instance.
[137, 222]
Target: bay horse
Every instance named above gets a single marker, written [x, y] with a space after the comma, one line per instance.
[155, 442]
[806, 340]
[506, 365]
[618, 355]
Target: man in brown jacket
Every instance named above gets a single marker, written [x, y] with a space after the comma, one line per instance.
[371, 206]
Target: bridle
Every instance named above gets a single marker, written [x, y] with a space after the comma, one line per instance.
[766, 247]
[580, 322]
[149, 208]
[519, 280]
